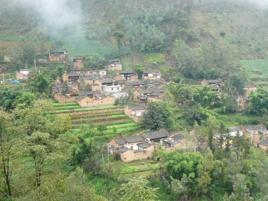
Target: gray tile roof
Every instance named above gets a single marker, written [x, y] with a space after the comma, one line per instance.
[134, 139]
[157, 134]
[144, 145]
[264, 143]
[256, 127]
[129, 139]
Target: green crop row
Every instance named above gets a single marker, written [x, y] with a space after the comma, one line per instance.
[84, 109]
[95, 114]
[120, 126]
[100, 122]
[68, 107]
[64, 104]
[105, 118]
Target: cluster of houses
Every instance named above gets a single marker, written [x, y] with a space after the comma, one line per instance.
[90, 87]
[51, 57]
[241, 101]
[140, 147]
[143, 146]
[256, 134]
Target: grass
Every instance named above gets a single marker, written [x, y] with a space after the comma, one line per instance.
[240, 119]
[148, 61]
[74, 109]
[11, 37]
[257, 71]
[76, 42]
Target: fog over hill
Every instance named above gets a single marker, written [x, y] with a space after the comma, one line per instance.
[56, 15]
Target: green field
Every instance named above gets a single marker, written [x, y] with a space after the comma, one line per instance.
[76, 42]
[110, 117]
[9, 37]
[257, 72]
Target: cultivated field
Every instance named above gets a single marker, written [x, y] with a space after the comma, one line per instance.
[110, 119]
[257, 72]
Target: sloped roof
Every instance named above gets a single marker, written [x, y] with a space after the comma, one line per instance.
[157, 134]
[134, 139]
[256, 127]
[129, 139]
[144, 145]
[264, 143]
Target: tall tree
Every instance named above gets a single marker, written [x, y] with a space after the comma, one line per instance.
[157, 117]
[137, 189]
[6, 147]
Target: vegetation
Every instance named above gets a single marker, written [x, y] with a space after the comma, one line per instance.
[54, 151]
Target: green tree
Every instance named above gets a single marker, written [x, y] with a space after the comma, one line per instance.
[241, 191]
[26, 99]
[138, 189]
[40, 84]
[158, 116]
[7, 145]
[95, 61]
[39, 148]
[258, 102]
[63, 187]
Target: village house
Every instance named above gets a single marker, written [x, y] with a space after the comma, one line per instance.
[129, 75]
[216, 85]
[78, 63]
[145, 151]
[114, 65]
[175, 142]
[58, 56]
[23, 74]
[150, 91]
[131, 148]
[135, 112]
[133, 84]
[88, 99]
[119, 95]
[75, 75]
[236, 131]
[72, 76]
[140, 147]
[42, 59]
[263, 145]
[111, 89]
[156, 136]
[152, 94]
[255, 132]
[65, 92]
[249, 89]
[147, 75]
[130, 142]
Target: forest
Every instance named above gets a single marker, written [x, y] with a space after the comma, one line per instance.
[212, 56]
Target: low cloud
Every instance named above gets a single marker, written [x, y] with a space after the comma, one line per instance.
[56, 14]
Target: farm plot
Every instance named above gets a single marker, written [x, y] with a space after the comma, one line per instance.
[143, 168]
[110, 119]
[257, 71]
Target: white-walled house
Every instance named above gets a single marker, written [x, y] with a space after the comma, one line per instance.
[111, 89]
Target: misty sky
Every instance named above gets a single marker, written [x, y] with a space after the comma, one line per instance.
[259, 2]
[57, 14]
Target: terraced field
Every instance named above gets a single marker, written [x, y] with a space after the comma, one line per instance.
[111, 118]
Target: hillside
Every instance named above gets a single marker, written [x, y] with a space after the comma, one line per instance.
[238, 25]
[133, 100]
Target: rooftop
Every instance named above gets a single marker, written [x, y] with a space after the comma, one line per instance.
[157, 134]
[129, 139]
